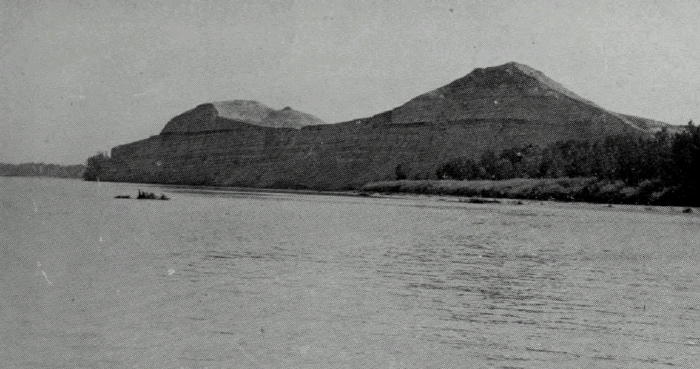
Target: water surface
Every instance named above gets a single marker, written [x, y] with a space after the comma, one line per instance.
[279, 280]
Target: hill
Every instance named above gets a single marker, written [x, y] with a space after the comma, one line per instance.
[223, 115]
[245, 143]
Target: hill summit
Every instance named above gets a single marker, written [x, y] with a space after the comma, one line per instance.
[223, 115]
[511, 91]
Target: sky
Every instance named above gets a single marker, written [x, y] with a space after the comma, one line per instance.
[78, 77]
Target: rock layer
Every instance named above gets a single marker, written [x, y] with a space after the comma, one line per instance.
[245, 143]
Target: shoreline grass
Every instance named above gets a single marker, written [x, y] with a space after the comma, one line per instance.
[578, 189]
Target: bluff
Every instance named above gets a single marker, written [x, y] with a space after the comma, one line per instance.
[245, 143]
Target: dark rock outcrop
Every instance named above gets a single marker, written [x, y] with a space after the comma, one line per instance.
[245, 143]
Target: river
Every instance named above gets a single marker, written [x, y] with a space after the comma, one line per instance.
[237, 279]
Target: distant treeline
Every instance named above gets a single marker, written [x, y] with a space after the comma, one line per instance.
[663, 169]
[41, 170]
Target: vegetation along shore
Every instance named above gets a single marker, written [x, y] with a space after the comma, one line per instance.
[659, 170]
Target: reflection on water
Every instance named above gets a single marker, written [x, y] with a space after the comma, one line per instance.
[217, 279]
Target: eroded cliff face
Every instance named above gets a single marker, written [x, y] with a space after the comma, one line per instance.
[324, 157]
[493, 108]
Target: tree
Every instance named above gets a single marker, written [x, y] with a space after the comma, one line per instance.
[400, 172]
[488, 164]
[685, 162]
[458, 168]
[96, 166]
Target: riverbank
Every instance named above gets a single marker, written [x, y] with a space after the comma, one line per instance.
[451, 198]
[467, 200]
[584, 189]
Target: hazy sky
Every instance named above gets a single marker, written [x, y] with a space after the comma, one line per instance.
[77, 77]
